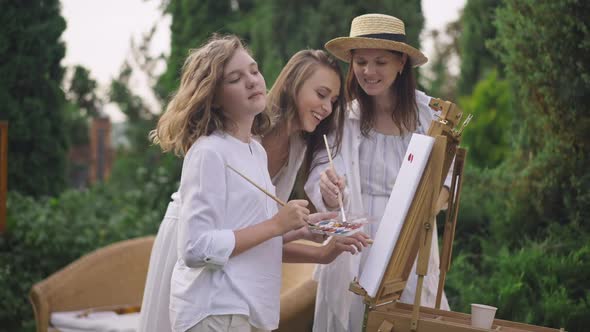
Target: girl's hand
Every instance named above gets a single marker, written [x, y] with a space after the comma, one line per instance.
[331, 185]
[293, 215]
[340, 244]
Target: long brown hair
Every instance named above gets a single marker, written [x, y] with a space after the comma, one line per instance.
[405, 111]
[190, 113]
[282, 101]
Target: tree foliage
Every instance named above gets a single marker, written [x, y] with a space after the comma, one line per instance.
[139, 119]
[82, 92]
[531, 250]
[477, 20]
[140, 154]
[544, 47]
[488, 137]
[291, 26]
[72, 224]
[192, 23]
[543, 282]
[30, 96]
[439, 79]
[274, 30]
[82, 104]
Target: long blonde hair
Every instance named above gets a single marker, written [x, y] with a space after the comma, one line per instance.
[281, 102]
[190, 113]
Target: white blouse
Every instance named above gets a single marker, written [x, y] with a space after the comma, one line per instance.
[215, 202]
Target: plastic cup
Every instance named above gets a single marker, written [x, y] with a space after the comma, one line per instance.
[482, 315]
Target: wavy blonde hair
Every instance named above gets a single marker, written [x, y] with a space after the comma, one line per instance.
[281, 102]
[190, 113]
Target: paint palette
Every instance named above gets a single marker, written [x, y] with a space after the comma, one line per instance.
[336, 227]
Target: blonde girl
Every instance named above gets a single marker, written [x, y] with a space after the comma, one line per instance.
[228, 273]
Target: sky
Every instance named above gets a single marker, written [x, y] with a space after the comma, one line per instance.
[99, 32]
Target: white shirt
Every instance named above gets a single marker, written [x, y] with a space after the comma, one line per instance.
[215, 202]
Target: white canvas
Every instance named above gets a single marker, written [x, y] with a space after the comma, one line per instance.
[395, 213]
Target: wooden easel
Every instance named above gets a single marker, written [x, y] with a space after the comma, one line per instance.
[383, 312]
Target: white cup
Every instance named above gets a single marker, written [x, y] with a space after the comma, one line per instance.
[482, 315]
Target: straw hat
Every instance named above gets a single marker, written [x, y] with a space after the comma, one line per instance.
[375, 31]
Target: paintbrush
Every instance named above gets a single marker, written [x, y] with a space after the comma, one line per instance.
[275, 198]
[334, 169]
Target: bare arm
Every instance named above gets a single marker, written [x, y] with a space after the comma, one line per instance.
[302, 253]
[291, 216]
[442, 200]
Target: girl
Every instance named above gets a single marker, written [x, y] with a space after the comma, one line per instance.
[228, 274]
[384, 111]
[304, 104]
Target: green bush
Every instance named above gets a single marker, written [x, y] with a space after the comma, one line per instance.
[478, 197]
[46, 234]
[542, 283]
[488, 136]
[530, 252]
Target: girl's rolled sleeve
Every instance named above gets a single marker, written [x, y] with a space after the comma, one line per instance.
[203, 239]
[211, 249]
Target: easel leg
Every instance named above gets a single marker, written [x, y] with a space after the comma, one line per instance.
[451, 222]
[366, 318]
[422, 269]
[428, 216]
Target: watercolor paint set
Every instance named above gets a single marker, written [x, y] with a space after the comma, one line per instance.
[334, 227]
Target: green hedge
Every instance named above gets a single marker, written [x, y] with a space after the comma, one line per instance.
[535, 270]
[46, 234]
[542, 283]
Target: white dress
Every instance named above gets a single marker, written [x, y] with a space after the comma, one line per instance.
[380, 160]
[155, 314]
[370, 165]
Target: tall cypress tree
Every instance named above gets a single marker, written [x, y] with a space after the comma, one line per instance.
[30, 96]
[545, 46]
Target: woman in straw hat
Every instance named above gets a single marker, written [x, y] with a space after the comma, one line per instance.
[384, 110]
